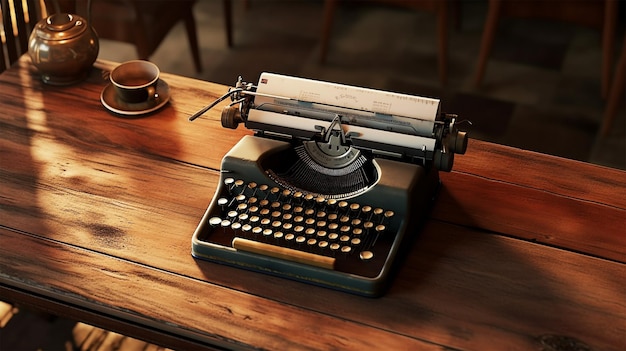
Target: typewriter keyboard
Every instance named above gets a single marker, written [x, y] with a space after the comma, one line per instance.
[293, 225]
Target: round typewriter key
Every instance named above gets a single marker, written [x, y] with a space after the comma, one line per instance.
[389, 214]
[265, 221]
[222, 201]
[320, 200]
[239, 182]
[344, 238]
[278, 235]
[287, 216]
[355, 222]
[308, 197]
[355, 207]
[311, 242]
[252, 200]
[276, 214]
[286, 192]
[309, 211]
[235, 226]
[215, 221]
[298, 229]
[331, 202]
[289, 236]
[300, 239]
[343, 204]
[309, 231]
[276, 224]
[255, 219]
[286, 207]
[366, 255]
[344, 219]
[225, 223]
[366, 209]
[321, 233]
[380, 228]
[243, 216]
[355, 241]
[267, 232]
[287, 226]
[346, 249]
[275, 204]
[263, 187]
[333, 226]
[253, 209]
[334, 246]
[263, 202]
[378, 211]
[332, 216]
[257, 230]
[344, 229]
[252, 185]
[242, 207]
[320, 214]
[333, 236]
[240, 198]
[368, 225]
[357, 231]
[232, 214]
[298, 209]
[229, 181]
[264, 212]
[309, 221]
[246, 227]
[323, 244]
[298, 219]
[320, 224]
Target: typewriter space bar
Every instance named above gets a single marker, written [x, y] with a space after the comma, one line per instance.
[283, 253]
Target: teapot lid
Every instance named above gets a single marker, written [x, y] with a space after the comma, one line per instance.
[60, 26]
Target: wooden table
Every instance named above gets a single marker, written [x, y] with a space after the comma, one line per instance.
[522, 251]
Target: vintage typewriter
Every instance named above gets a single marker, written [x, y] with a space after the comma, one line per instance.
[333, 184]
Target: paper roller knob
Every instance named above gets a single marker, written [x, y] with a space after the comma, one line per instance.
[458, 143]
[231, 117]
[443, 160]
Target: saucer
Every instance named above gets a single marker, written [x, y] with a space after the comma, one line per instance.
[114, 104]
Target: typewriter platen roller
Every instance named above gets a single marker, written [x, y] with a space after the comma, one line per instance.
[333, 185]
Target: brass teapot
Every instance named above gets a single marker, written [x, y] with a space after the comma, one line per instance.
[63, 47]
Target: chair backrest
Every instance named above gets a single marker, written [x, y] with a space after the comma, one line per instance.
[18, 19]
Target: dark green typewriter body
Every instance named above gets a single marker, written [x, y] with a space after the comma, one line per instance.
[275, 214]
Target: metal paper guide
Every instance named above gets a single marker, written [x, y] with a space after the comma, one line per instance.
[333, 185]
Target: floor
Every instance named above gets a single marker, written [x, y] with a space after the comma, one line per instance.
[541, 91]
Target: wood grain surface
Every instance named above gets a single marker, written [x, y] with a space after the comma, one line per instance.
[522, 251]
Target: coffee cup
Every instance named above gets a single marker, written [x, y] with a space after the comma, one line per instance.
[135, 81]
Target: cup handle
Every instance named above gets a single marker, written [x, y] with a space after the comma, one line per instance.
[152, 93]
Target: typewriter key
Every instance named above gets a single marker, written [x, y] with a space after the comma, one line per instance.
[235, 226]
[309, 231]
[323, 244]
[276, 224]
[278, 235]
[355, 241]
[265, 222]
[257, 230]
[289, 237]
[321, 233]
[311, 242]
[215, 221]
[246, 228]
[334, 246]
[287, 216]
[276, 214]
[344, 238]
[366, 255]
[300, 239]
[346, 249]
[333, 226]
[287, 226]
[267, 232]
[333, 236]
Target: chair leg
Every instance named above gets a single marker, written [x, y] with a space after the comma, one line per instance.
[608, 39]
[442, 33]
[228, 21]
[329, 13]
[190, 25]
[616, 94]
[489, 33]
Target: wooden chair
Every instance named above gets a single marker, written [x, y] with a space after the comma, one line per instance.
[439, 7]
[595, 14]
[141, 23]
[18, 20]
